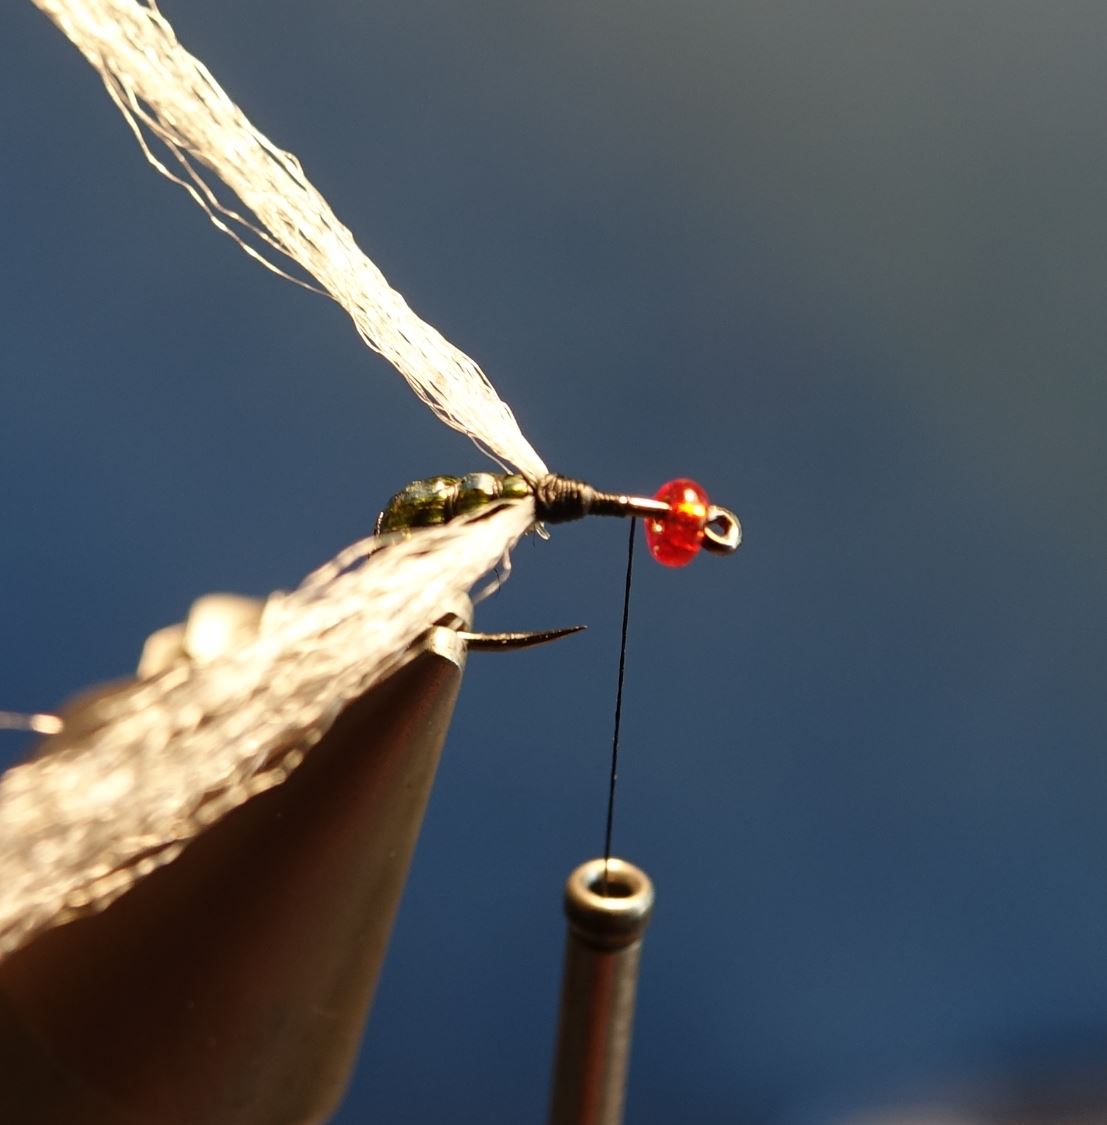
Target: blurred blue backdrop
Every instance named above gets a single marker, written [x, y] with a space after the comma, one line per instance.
[846, 265]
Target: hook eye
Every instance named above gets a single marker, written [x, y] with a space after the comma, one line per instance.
[722, 534]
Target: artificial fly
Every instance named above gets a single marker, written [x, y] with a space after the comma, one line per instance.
[170, 754]
[678, 520]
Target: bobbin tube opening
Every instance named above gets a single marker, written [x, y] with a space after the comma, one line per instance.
[608, 902]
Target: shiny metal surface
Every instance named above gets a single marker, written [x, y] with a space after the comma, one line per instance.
[608, 911]
[232, 985]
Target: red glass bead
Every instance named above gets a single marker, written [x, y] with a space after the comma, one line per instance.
[674, 539]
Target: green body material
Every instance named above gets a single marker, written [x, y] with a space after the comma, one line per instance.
[437, 500]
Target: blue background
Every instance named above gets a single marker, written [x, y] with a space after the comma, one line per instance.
[845, 264]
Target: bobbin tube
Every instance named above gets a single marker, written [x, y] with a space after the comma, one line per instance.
[607, 911]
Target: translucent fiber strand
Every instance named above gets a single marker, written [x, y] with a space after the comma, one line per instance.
[175, 752]
[169, 98]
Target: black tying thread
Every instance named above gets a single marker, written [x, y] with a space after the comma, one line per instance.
[618, 710]
[559, 499]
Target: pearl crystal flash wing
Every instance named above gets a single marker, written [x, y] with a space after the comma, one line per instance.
[177, 751]
[169, 96]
